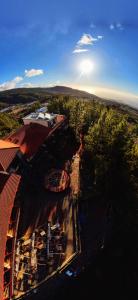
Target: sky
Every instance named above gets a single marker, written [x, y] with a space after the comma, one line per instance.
[89, 45]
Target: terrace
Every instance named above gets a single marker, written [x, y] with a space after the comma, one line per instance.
[47, 238]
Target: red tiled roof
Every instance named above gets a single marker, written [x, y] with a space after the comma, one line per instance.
[8, 151]
[6, 157]
[7, 145]
[30, 138]
[8, 188]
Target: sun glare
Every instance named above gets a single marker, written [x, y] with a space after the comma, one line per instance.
[86, 66]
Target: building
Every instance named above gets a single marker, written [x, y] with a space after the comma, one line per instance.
[29, 138]
[40, 117]
[19, 146]
[34, 133]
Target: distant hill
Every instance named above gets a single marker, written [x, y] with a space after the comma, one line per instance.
[28, 95]
[70, 91]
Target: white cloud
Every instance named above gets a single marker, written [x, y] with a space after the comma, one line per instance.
[100, 37]
[80, 50]
[11, 84]
[86, 39]
[112, 27]
[18, 79]
[118, 26]
[28, 85]
[7, 85]
[92, 25]
[33, 72]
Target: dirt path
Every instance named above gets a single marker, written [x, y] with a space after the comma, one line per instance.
[75, 176]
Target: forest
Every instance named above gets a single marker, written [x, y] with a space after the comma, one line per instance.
[109, 169]
[110, 158]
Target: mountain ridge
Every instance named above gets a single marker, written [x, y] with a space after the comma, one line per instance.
[49, 90]
[26, 95]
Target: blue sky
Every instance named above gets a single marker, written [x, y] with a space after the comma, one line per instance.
[44, 44]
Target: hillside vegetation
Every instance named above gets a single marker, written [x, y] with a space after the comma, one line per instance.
[7, 124]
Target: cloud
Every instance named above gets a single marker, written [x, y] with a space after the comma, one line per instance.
[112, 27]
[28, 85]
[7, 85]
[80, 50]
[33, 72]
[100, 37]
[17, 79]
[41, 85]
[118, 26]
[11, 84]
[92, 25]
[86, 39]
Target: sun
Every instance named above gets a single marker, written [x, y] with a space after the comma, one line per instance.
[86, 66]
